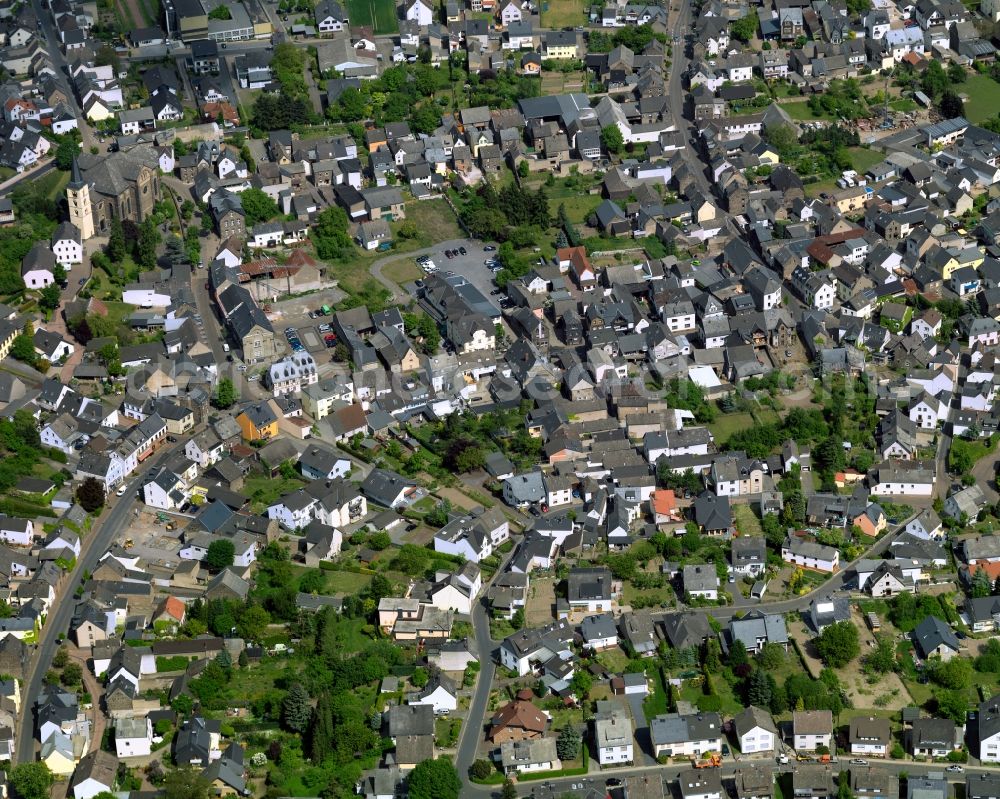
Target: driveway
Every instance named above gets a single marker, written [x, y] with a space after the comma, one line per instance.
[644, 742]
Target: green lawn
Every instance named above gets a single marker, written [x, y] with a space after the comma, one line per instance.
[119, 311]
[378, 14]
[903, 104]
[346, 582]
[560, 13]
[656, 703]
[746, 520]
[264, 490]
[402, 271]
[800, 110]
[863, 158]
[982, 97]
[578, 207]
[53, 183]
[727, 424]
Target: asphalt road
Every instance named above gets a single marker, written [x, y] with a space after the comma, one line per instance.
[486, 649]
[62, 70]
[94, 545]
[729, 769]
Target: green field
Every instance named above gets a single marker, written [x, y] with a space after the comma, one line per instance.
[862, 158]
[727, 424]
[560, 13]
[801, 110]
[982, 97]
[377, 14]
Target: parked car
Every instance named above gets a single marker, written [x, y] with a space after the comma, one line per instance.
[121, 490]
[955, 769]
[324, 328]
[462, 250]
[489, 248]
[859, 762]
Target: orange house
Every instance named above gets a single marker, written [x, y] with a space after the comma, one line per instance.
[258, 421]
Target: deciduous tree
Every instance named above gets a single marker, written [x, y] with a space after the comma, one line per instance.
[434, 779]
[838, 644]
[221, 554]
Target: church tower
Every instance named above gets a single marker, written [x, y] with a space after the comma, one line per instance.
[78, 196]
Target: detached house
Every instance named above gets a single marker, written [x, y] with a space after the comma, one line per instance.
[870, 736]
[812, 729]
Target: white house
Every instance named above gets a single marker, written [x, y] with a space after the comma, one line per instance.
[164, 491]
[613, 738]
[756, 731]
[474, 538]
[67, 245]
[989, 730]
[522, 757]
[38, 267]
[810, 554]
[457, 591]
[94, 774]
[926, 525]
[700, 784]
[689, 735]
[811, 729]
[293, 511]
[421, 12]
[17, 531]
[440, 693]
[205, 449]
[869, 736]
[133, 737]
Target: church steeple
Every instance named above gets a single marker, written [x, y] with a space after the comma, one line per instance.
[76, 177]
[81, 212]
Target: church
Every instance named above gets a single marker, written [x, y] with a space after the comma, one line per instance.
[123, 185]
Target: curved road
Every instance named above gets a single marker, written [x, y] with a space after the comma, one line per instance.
[377, 266]
[95, 544]
[486, 652]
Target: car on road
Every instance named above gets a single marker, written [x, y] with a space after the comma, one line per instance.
[955, 769]
[122, 489]
[495, 292]
[489, 248]
[859, 762]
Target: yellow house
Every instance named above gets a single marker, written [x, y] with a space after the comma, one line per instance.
[949, 263]
[561, 44]
[8, 332]
[853, 199]
[57, 754]
[258, 422]
[768, 155]
[96, 109]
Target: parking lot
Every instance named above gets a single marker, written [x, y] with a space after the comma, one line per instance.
[295, 314]
[470, 266]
